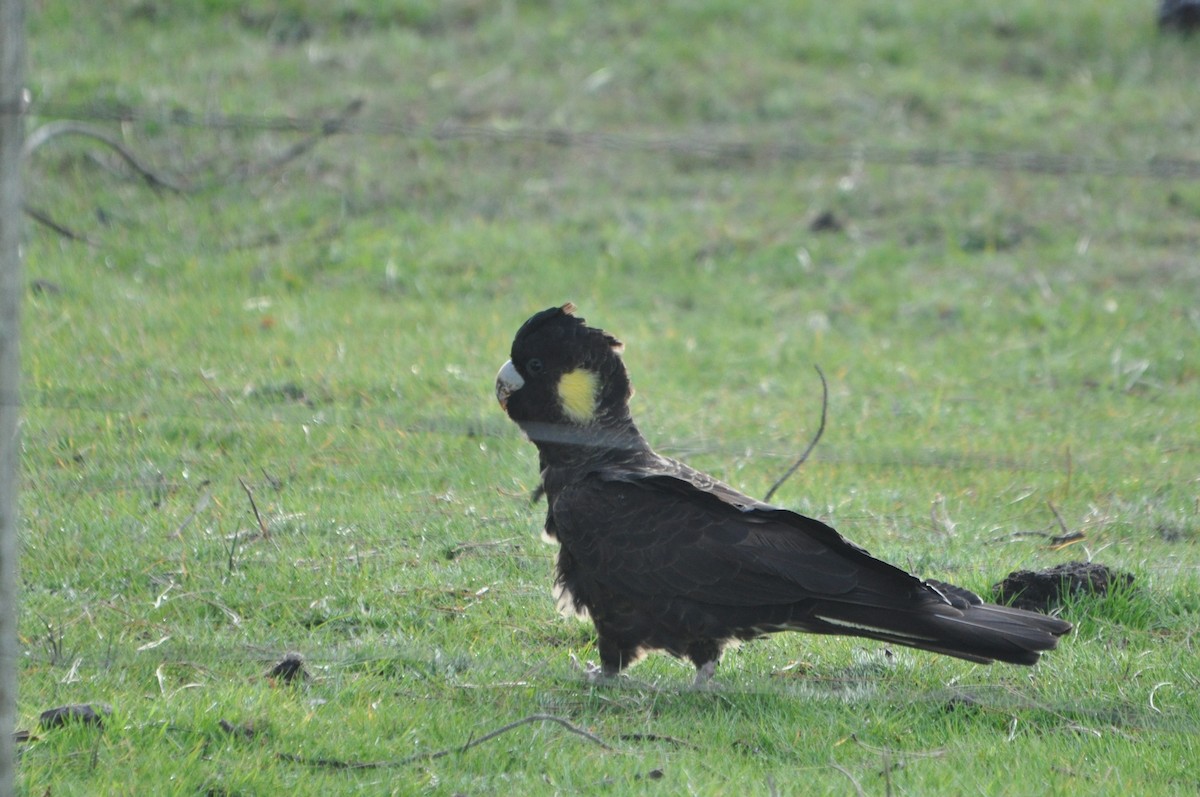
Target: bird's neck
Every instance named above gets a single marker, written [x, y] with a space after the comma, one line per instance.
[596, 445]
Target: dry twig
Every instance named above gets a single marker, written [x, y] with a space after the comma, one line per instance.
[329, 127]
[1058, 519]
[155, 179]
[201, 504]
[45, 220]
[331, 763]
[820, 431]
[262, 527]
[937, 752]
[53, 130]
[654, 737]
[858, 789]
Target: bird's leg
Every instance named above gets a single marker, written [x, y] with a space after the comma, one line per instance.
[705, 654]
[613, 659]
[704, 674]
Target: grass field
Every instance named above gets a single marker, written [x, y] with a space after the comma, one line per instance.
[317, 342]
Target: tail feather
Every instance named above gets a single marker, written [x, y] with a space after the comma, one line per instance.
[975, 631]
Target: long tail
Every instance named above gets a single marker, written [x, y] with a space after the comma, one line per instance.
[958, 624]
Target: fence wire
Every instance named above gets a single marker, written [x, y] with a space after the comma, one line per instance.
[683, 143]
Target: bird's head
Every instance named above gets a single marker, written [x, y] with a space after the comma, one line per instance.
[565, 383]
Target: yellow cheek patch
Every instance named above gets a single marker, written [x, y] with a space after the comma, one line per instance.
[577, 391]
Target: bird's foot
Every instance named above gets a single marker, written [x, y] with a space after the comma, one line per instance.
[593, 673]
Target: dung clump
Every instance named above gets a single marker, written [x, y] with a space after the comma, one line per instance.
[1044, 590]
[289, 669]
[81, 713]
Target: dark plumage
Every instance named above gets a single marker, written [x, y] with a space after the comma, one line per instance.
[661, 556]
[1179, 15]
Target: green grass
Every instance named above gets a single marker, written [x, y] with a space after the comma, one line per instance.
[999, 345]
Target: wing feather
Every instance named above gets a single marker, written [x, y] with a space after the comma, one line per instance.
[661, 536]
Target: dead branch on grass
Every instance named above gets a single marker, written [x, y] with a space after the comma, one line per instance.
[52, 130]
[1016, 535]
[1056, 541]
[654, 737]
[1058, 518]
[820, 431]
[201, 504]
[467, 547]
[858, 789]
[155, 179]
[937, 752]
[329, 127]
[575, 729]
[262, 526]
[1067, 537]
[46, 221]
[333, 763]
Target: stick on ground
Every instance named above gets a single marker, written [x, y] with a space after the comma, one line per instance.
[820, 431]
[332, 763]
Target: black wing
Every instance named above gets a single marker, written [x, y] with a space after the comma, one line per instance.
[660, 536]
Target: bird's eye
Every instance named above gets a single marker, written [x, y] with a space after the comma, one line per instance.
[535, 366]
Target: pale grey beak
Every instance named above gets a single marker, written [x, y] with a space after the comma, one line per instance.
[508, 381]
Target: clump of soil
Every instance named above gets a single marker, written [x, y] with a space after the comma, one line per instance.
[290, 669]
[826, 221]
[82, 713]
[1044, 590]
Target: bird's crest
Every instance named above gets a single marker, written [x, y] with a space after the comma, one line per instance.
[563, 321]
